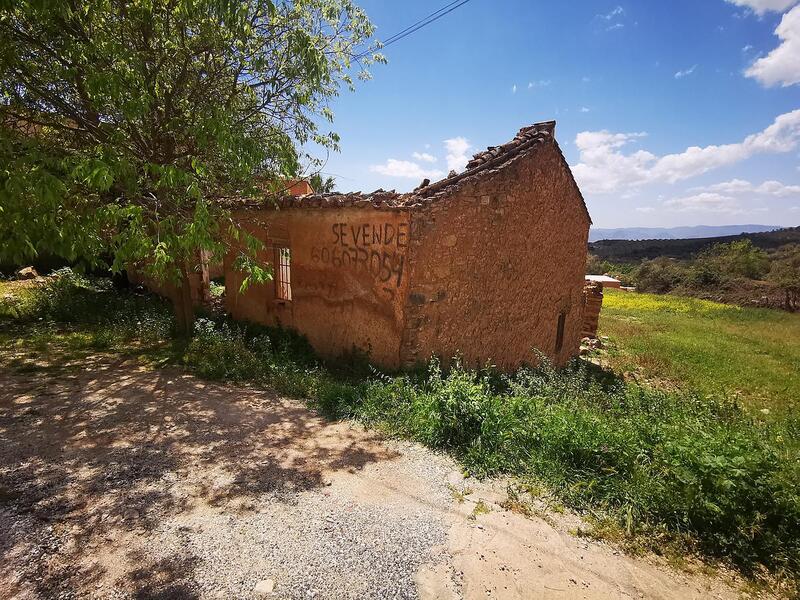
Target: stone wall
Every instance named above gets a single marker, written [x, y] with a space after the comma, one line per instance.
[593, 299]
[487, 264]
[349, 277]
[494, 264]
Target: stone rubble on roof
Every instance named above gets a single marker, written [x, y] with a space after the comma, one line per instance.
[525, 134]
[495, 156]
[482, 163]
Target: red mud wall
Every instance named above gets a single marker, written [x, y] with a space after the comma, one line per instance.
[493, 266]
[348, 278]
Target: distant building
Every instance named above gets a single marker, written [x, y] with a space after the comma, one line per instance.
[452, 268]
[608, 282]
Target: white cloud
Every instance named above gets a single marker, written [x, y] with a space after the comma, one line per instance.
[645, 209]
[612, 19]
[585, 109]
[795, 208]
[686, 72]
[761, 6]
[782, 65]
[741, 186]
[514, 89]
[768, 188]
[747, 48]
[586, 79]
[734, 186]
[776, 188]
[705, 202]
[618, 11]
[457, 156]
[603, 166]
[424, 156]
[540, 83]
[405, 168]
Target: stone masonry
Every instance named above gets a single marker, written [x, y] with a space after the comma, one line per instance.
[593, 294]
[487, 264]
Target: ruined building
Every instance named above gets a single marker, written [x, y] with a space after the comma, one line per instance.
[487, 264]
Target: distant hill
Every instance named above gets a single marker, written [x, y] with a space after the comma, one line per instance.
[675, 233]
[637, 250]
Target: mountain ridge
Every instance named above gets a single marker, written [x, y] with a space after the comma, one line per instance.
[675, 233]
[637, 250]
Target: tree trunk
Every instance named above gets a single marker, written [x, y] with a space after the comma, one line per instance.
[183, 306]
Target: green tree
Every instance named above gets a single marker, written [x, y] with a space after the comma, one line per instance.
[124, 122]
[785, 273]
[596, 266]
[659, 275]
[322, 185]
[736, 259]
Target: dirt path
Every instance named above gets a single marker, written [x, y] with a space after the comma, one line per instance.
[122, 482]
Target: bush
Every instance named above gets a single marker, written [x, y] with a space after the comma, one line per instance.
[597, 266]
[711, 269]
[223, 352]
[623, 272]
[703, 275]
[785, 273]
[650, 459]
[72, 299]
[736, 259]
[659, 275]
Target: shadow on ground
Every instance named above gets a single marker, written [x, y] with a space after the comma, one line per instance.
[88, 456]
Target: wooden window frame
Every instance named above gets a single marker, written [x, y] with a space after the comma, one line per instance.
[282, 255]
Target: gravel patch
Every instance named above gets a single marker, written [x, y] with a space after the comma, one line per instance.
[139, 484]
[316, 547]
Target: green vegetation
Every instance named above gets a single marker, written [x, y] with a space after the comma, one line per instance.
[738, 272]
[642, 462]
[123, 123]
[69, 317]
[717, 349]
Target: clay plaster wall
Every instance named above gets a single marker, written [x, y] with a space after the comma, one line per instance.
[493, 265]
[349, 278]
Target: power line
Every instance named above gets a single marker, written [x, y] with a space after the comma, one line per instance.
[397, 35]
[434, 16]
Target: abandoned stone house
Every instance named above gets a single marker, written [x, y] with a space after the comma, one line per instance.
[487, 264]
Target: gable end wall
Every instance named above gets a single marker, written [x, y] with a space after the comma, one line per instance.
[493, 265]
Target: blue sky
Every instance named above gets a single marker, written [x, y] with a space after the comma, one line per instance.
[670, 113]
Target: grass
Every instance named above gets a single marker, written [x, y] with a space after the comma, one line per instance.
[695, 471]
[57, 324]
[716, 349]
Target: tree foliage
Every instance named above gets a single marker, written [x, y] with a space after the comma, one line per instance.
[785, 273]
[123, 123]
[322, 185]
[736, 259]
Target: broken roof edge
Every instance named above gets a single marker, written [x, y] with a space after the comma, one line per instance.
[488, 162]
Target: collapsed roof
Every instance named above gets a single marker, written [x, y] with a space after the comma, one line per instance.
[483, 164]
